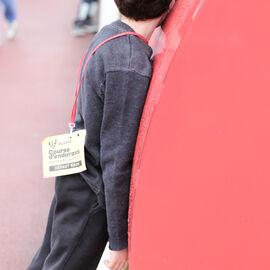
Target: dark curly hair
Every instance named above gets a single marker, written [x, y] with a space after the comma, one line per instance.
[141, 10]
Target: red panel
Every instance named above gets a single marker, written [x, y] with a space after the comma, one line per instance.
[200, 183]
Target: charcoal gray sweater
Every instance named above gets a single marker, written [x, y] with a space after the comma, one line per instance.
[110, 105]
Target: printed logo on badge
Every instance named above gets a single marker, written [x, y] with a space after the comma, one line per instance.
[64, 154]
[52, 143]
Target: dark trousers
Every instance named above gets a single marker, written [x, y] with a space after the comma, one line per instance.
[76, 232]
[89, 1]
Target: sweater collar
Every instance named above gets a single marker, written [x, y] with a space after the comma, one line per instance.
[123, 27]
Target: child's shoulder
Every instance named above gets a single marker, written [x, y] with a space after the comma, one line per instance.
[126, 52]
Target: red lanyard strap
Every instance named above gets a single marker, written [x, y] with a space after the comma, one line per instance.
[78, 84]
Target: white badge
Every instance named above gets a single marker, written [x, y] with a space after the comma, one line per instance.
[64, 154]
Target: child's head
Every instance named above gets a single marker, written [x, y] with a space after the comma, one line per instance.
[141, 10]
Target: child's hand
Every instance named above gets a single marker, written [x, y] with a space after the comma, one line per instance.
[118, 260]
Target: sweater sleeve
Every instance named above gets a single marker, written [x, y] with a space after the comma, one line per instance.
[124, 98]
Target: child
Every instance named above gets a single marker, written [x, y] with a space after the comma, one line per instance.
[91, 207]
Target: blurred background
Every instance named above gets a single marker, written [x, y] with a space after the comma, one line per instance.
[41, 44]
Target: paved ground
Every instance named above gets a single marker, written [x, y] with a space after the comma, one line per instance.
[37, 80]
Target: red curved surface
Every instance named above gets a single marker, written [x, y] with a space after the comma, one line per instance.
[200, 182]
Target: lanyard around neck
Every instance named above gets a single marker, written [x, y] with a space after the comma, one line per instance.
[78, 84]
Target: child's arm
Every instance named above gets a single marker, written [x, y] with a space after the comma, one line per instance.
[124, 98]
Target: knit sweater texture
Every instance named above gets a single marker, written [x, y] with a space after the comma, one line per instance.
[109, 107]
